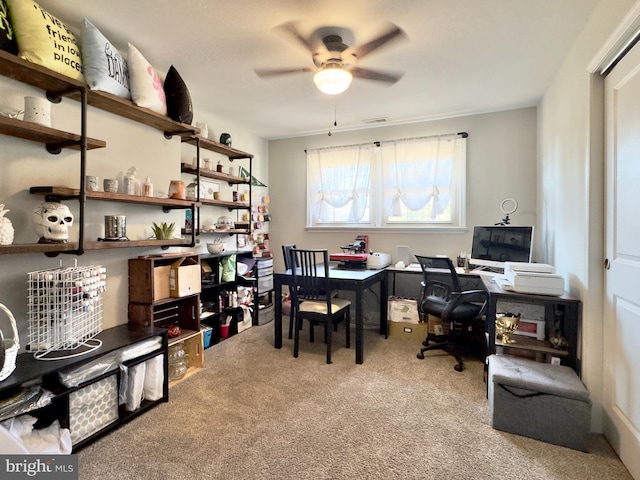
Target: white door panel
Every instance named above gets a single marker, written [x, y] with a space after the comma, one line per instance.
[622, 294]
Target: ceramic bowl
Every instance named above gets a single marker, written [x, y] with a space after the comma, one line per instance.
[216, 247]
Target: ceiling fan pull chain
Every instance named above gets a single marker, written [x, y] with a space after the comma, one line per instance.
[335, 115]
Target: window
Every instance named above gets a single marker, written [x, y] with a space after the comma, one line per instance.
[408, 183]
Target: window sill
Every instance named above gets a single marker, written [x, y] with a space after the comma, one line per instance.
[403, 229]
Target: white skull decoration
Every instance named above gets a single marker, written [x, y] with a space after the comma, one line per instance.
[52, 221]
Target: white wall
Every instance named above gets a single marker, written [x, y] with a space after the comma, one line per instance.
[570, 184]
[26, 164]
[501, 163]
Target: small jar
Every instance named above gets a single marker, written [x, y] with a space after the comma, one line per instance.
[177, 370]
[219, 167]
[177, 190]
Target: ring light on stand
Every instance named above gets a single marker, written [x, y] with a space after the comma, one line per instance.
[507, 206]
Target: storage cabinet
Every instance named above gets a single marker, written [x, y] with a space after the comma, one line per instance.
[561, 315]
[217, 294]
[264, 290]
[91, 408]
[150, 303]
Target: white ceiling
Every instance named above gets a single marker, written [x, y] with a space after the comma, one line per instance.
[459, 57]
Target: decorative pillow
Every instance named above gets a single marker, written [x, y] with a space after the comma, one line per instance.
[179, 106]
[7, 37]
[146, 86]
[45, 40]
[105, 68]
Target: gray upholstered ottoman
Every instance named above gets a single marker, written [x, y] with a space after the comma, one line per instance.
[539, 400]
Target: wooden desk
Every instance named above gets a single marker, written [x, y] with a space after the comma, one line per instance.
[340, 279]
[568, 308]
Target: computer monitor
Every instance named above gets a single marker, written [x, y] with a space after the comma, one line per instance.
[493, 245]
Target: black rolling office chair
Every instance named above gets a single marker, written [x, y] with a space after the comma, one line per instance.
[311, 297]
[442, 297]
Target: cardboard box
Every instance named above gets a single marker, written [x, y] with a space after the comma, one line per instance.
[184, 278]
[403, 310]
[437, 327]
[161, 282]
[417, 332]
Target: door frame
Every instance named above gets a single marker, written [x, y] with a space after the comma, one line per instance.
[622, 39]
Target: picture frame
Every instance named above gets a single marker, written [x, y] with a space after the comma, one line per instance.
[209, 188]
[531, 328]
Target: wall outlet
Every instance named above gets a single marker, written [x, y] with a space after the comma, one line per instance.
[438, 329]
[555, 360]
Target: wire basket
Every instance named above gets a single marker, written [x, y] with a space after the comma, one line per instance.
[11, 347]
[65, 310]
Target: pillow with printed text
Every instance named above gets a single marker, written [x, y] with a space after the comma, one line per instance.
[105, 69]
[7, 37]
[44, 40]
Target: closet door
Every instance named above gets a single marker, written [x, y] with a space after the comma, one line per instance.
[622, 295]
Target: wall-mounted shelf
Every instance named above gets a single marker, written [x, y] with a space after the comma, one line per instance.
[72, 247]
[127, 109]
[66, 193]
[54, 140]
[55, 84]
[224, 177]
[213, 146]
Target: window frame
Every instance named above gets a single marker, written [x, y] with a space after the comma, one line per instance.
[378, 216]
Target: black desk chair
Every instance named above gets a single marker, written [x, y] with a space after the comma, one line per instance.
[442, 297]
[286, 256]
[311, 297]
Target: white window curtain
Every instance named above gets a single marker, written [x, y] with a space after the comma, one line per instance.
[420, 172]
[339, 177]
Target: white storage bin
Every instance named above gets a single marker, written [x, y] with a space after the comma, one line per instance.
[92, 408]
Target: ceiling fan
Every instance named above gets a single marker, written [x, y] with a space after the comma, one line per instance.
[334, 60]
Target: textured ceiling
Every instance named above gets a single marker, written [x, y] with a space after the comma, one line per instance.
[458, 57]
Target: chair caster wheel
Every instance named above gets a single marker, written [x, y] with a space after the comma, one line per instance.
[458, 368]
[425, 343]
[420, 356]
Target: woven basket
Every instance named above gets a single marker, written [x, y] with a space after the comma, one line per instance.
[11, 347]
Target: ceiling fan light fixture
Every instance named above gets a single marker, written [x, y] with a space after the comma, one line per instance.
[332, 79]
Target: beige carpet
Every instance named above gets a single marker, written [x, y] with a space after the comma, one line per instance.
[257, 412]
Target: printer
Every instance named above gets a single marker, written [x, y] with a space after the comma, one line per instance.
[535, 278]
[378, 260]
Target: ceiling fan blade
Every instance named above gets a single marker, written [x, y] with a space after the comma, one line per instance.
[393, 33]
[291, 29]
[375, 75]
[274, 72]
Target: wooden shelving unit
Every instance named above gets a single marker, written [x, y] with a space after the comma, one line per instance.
[57, 86]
